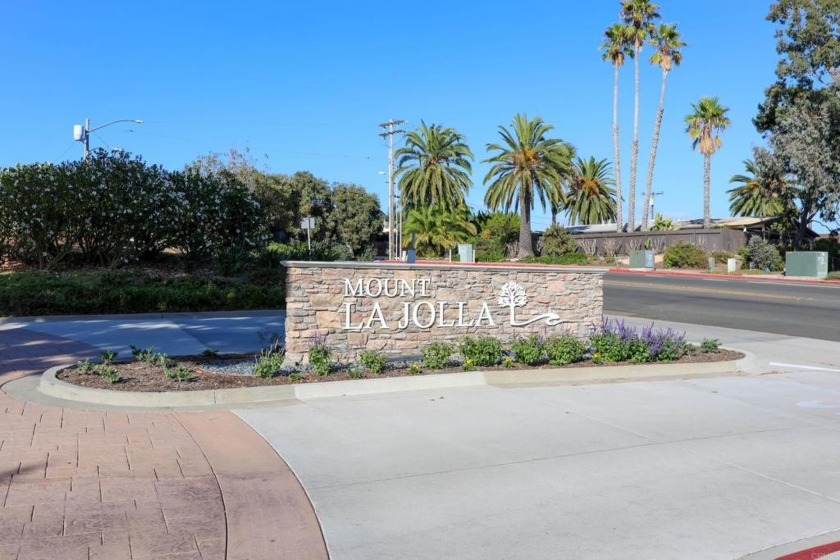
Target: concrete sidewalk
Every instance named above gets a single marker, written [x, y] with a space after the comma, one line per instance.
[114, 485]
[703, 468]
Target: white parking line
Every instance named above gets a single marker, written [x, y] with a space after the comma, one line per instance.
[798, 366]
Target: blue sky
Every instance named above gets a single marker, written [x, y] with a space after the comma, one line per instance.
[304, 85]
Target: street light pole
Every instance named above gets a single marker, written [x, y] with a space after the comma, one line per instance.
[82, 134]
[652, 197]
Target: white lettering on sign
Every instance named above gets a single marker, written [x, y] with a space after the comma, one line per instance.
[426, 314]
[389, 287]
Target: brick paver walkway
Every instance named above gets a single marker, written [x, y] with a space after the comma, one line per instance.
[85, 485]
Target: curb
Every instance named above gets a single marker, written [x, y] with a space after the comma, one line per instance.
[51, 386]
[756, 278]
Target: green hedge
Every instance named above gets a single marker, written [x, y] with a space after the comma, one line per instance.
[127, 291]
[567, 259]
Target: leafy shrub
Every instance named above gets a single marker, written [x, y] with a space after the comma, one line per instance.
[507, 362]
[179, 373]
[489, 250]
[563, 350]
[482, 351]
[763, 255]
[721, 257]
[356, 373]
[556, 241]
[149, 356]
[319, 358]
[608, 347]
[684, 255]
[108, 356]
[528, 350]
[374, 361]
[268, 361]
[84, 366]
[709, 345]
[109, 373]
[414, 369]
[436, 354]
[107, 208]
[299, 251]
[567, 259]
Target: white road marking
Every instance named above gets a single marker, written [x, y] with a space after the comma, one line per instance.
[816, 404]
[798, 366]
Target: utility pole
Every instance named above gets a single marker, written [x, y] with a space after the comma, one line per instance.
[389, 133]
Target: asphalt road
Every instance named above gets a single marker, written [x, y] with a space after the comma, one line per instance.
[795, 309]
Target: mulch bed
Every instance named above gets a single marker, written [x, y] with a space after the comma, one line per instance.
[143, 377]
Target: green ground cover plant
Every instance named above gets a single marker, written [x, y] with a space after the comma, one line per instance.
[129, 291]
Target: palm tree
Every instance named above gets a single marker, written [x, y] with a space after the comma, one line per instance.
[527, 166]
[436, 230]
[704, 124]
[758, 194]
[668, 43]
[433, 168]
[590, 199]
[638, 15]
[616, 49]
[424, 225]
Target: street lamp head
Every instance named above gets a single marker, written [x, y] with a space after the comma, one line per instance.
[138, 121]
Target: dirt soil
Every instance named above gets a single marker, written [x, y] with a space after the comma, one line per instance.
[143, 377]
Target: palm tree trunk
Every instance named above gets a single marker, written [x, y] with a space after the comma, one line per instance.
[657, 125]
[707, 190]
[634, 155]
[526, 243]
[619, 202]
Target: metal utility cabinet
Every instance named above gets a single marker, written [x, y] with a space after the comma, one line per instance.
[806, 264]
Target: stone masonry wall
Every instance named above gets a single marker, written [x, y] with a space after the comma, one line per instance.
[398, 308]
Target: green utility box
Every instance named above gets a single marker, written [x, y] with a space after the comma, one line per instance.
[642, 260]
[465, 253]
[809, 264]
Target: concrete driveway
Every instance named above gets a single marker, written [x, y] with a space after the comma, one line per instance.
[710, 468]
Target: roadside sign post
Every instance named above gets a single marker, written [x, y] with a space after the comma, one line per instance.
[308, 223]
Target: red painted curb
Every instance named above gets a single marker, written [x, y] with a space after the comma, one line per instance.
[811, 553]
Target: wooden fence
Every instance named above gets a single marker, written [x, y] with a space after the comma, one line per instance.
[612, 244]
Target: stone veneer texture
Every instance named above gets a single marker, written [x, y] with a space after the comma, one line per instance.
[324, 299]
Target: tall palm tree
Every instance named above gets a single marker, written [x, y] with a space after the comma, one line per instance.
[616, 49]
[527, 166]
[638, 16]
[667, 42]
[433, 168]
[590, 199]
[704, 125]
[757, 194]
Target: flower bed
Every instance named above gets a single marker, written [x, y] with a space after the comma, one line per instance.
[614, 344]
